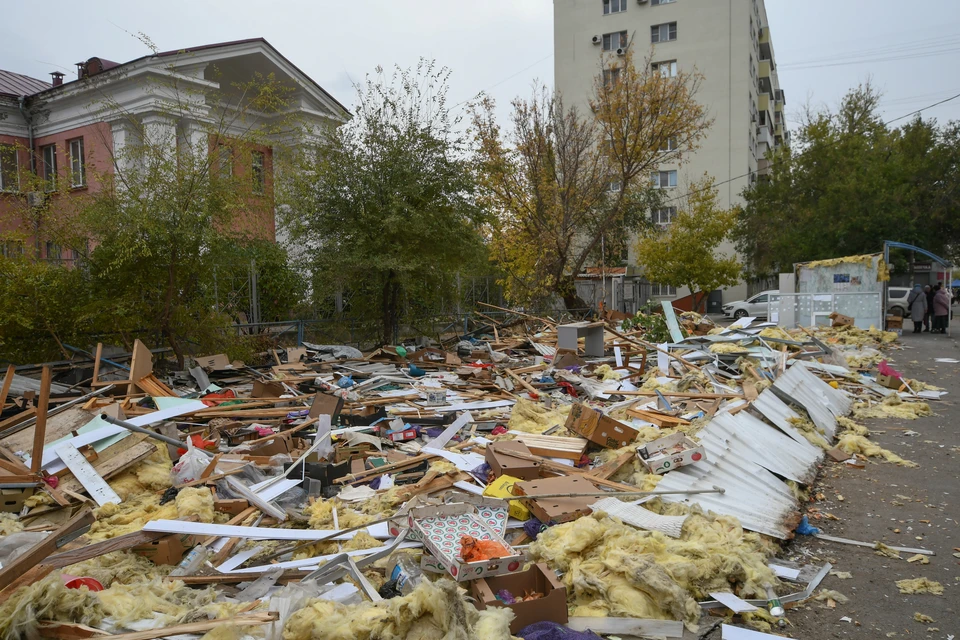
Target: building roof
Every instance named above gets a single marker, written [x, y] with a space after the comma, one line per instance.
[15, 84]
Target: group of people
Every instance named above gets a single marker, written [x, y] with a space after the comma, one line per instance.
[929, 308]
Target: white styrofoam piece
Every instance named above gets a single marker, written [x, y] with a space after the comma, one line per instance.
[447, 434]
[640, 517]
[83, 471]
[463, 461]
[252, 533]
[787, 573]
[729, 632]
[235, 561]
[732, 602]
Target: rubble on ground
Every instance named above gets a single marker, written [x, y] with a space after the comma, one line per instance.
[463, 489]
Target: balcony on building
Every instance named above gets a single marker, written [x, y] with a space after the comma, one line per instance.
[766, 48]
[764, 139]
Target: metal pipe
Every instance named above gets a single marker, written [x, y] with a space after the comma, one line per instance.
[29, 120]
[146, 432]
[93, 357]
[614, 494]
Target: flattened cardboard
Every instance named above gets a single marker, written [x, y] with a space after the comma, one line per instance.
[557, 509]
[502, 463]
[598, 428]
[324, 404]
[267, 389]
[217, 362]
[540, 578]
[166, 550]
[840, 320]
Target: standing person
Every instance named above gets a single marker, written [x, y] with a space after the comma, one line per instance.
[928, 318]
[941, 311]
[917, 305]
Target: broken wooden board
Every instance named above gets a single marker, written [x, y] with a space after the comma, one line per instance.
[114, 460]
[96, 487]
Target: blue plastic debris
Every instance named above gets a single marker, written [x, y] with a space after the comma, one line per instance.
[805, 528]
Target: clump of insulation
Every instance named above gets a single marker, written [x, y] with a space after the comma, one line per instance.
[920, 585]
[809, 431]
[433, 611]
[195, 501]
[130, 515]
[321, 515]
[124, 567]
[605, 372]
[533, 417]
[611, 569]
[47, 599]
[850, 426]
[361, 540]
[726, 347]
[39, 499]
[633, 472]
[852, 443]
[892, 406]
[9, 523]
[169, 601]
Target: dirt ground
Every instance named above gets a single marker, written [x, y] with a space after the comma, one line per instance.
[895, 505]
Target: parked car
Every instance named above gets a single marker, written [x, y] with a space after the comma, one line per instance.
[755, 307]
[897, 301]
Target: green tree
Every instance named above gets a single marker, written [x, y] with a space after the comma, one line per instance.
[686, 252]
[561, 182]
[386, 206]
[848, 183]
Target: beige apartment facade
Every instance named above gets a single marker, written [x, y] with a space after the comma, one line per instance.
[727, 41]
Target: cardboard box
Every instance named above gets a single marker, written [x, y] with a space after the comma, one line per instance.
[503, 464]
[503, 487]
[324, 404]
[894, 323]
[840, 320]
[267, 389]
[598, 428]
[166, 550]
[669, 453]
[889, 382]
[557, 510]
[540, 578]
[441, 528]
[218, 362]
[12, 498]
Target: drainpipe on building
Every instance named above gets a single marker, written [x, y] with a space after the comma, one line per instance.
[33, 164]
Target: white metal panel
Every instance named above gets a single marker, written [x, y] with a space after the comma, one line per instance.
[780, 414]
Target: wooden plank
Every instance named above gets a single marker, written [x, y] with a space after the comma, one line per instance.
[251, 619]
[554, 446]
[90, 551]
[40, 428]
[14, 420]
[40, 551]
[70, 631]
[614, 465]
[115, 459]
[96, 365]
[97, 488]
[141, 365]
[7, 381]
[58, 426]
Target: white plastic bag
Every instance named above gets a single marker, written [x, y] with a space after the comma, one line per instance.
[190, 465]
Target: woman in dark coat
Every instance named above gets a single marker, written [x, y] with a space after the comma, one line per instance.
[928, 319]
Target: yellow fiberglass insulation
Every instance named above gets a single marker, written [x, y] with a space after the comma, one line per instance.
[633, 472]
[38, 500]
[124, 567]
[9, 523]
[443, 467]
[362, 540]
[852, 443]
[130, 515]
[195, 501]
[321, 515]
[776, 332]
[605, 372]
[809, 431]
[726, 347]
[611, 569]
[433, 611]
[47, 599]
[892, 406]
[849, 426]
[920, 585]
[385, 503]
[151, 475]
[533, 417]
[170, 600]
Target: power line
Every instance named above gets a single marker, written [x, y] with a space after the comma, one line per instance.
[773, 162]
[508, 78]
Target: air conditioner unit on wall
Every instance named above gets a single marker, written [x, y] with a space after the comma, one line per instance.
[641, 1]
[622, 51]
[597, 40]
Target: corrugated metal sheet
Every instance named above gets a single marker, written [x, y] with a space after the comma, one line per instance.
[22, 384]
[746, 436]
[16, 84]
[822, 402]
[780, 414]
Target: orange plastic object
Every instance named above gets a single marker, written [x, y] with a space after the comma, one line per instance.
[473, 550]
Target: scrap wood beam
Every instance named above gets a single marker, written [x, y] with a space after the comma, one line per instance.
[650, 345]
[72, 528]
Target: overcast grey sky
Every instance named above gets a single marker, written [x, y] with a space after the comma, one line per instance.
[823, 47]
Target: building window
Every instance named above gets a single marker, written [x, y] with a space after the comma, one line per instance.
[257, 170]
[49, 155]
[78, 168]
[614, 186]
[225, 161]
[614, 41]
[670, 144]
[659, 2]
[9, 168]
[663, 215]
[658, 290]
[53, 251]
[614, 6]
[610, 77]
[11, 248]
[667, 69]
[663, 32]
[664, 179]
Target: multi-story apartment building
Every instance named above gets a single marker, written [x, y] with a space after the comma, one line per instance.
[728, 42]
[67, 133]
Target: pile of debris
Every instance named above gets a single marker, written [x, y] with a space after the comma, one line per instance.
[530, 475]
